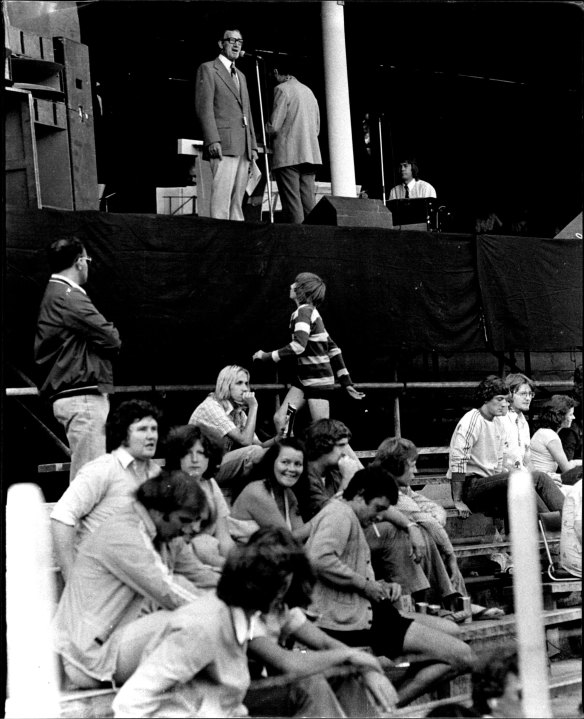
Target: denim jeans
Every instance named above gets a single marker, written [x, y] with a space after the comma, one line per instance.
[83, 417]
[489, 494]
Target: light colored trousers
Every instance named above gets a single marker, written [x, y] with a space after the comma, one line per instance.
[230, 177]
[83, 417]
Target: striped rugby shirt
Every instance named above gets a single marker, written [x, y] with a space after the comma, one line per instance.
[319, 358]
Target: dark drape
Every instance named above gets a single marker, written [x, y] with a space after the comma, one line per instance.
[190, 295]
[531, 291]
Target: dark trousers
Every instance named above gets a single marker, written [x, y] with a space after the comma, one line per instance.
[297, 190]
[489, 494]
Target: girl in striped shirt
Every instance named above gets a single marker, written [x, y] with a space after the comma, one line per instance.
[319, 360]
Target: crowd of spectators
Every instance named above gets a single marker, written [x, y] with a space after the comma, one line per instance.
[172, 586]
[283, 556]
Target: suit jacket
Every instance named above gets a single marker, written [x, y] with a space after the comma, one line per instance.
[223, 112]
[295, 124]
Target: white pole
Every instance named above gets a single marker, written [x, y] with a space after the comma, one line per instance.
[337, 99]
[527, 593]
[33, 680]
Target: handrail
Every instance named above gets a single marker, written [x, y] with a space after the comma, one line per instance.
[271, 387]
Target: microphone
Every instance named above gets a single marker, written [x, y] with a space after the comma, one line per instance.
[258, 53]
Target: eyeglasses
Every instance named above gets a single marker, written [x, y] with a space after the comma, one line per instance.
[233, 40]
[526, 395]
[86, 258]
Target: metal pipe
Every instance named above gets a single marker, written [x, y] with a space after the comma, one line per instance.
[402, 386]
[527, 595]
[264, 140]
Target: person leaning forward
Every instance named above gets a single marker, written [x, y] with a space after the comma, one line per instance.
[223, 109]
[73, 349]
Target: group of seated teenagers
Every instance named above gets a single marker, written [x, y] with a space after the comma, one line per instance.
[236, 549]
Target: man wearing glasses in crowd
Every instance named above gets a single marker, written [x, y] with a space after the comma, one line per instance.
[478, 449]
[74, 348]
[223, 109]
[521, 392]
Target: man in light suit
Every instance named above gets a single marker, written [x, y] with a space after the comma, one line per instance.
[222, 106]
[294, 126]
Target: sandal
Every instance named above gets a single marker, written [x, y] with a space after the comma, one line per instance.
[458, 617]
[490, 613]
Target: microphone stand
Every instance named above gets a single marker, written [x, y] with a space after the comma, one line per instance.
[264, 140]
[381, 160]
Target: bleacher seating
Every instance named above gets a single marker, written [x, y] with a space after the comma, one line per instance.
[475, 539]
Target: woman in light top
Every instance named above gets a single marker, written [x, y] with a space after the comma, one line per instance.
[270, 501]
[547, 453]
[188, 449]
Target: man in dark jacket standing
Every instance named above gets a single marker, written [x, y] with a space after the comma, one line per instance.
[74, 346]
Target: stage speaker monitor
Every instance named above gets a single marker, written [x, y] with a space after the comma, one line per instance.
[572, 230]
[349, 212]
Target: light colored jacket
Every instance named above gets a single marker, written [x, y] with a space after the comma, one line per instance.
[294, 124]
[116, 569]
[340, 555]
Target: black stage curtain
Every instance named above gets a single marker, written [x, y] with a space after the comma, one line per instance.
[190, 295]
[531, 291]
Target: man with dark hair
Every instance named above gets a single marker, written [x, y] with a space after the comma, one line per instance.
[477, 451]
[127, 578]
[196, 665]
[74, 347]
[329, 466]
[294, 125]
[223, 109]
[358, 610]
[496, 687]
[395, 544]
[109, 482]
[410, 186]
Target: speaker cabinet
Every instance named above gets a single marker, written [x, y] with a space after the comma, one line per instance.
[349, 212]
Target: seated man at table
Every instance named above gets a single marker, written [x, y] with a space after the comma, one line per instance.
[477, 451]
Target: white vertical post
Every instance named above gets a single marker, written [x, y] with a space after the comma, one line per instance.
[527, 594]
[337, 99]
[33, 680]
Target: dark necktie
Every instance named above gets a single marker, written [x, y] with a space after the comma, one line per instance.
[406, 192]
[234, 75]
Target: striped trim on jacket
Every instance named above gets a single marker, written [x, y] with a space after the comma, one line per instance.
[319, 358]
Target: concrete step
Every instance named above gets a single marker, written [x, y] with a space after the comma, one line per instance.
[565, 687]
[482, 636]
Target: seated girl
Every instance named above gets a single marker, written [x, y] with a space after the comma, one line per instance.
[270, 501]
[547, 453]
[186, 448]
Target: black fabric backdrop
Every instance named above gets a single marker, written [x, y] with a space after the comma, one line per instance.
[532, 292]
[190, 295]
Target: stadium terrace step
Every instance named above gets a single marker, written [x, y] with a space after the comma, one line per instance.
[566, 686]
[96, 703]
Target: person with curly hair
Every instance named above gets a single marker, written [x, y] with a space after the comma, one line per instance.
[197, 663]
[107, 484]
[476, 458]
[547, 452]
